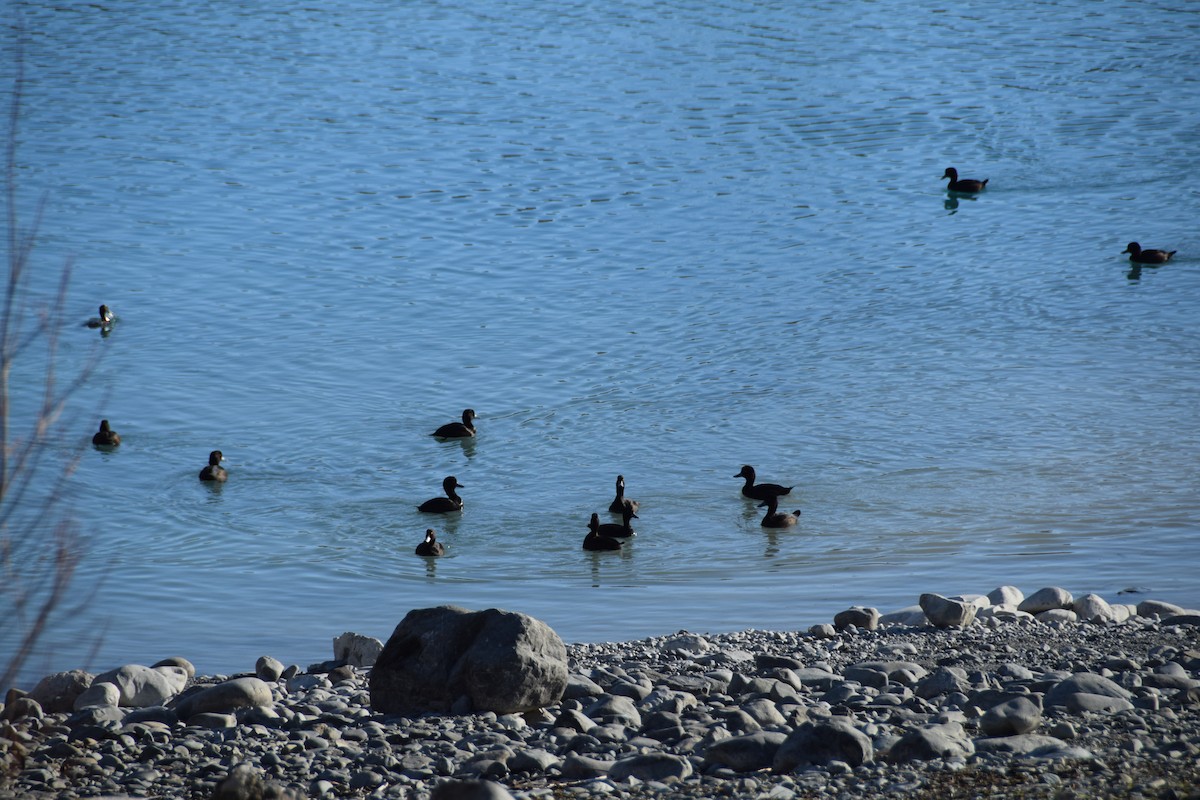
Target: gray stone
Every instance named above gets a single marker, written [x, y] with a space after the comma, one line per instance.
[56, 693]
[493, 660]
[1093, 608]
[687, 643]
[268, 669]
[579, 768]
[532, 759]
[1021, 744]
[822, 743]
[243, 782]
[581, 686]
[747, 753]
[943, 680]
[944, 741]
[1157, 608]
[909, 615]
[142, 686]
[615, 708]
[1192, 619]
[1015, 716]
[470, 790]
[177, 661]
[1045, 599]
[212, 719]
[1006, 596]
[764, 711]
[664, 767]
[98, 695]
[1060, 615]
[224, 697]
[1084, 702]
[946, 613]
[357, 650]
[1083, 683]
[822, 631]
[859, 616]
[575, 720]
[816, 678]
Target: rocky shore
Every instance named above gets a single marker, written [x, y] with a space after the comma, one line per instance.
[998, 696]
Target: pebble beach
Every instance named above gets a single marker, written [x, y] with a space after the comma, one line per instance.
[997, 695]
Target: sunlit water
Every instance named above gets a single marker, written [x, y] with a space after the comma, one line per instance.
[658, 239]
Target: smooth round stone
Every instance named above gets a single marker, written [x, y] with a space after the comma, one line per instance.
[176, 661]
[1045, 600]
[860, 617]
[268, 669]
[1015, 716]
[98, 695]
[1006, 596]
[212, 720]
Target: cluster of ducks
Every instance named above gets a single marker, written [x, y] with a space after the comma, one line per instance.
[1137, 255]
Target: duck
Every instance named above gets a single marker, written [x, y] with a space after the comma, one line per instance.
[458, 430]
[624, 530]
[966, 185]
[595, 540]
[442, 505]
[775, 518]
[760, 491]
[617, 506]
[103, 321]
[431, 546]
[214, 471]
[1139, 256]
[106, 436]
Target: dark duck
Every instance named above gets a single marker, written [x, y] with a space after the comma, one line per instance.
[214, 471]
[775, 518]
[458, 430]
[104, 321]
[1149, 256]
[431, 546]
[106, 436]
[760, 491]
[441, 505]
[624, 530]
[963, 185]
[617, 506]
[595, 540]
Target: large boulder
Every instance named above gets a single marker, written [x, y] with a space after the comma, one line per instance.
[58, 692]
[945, 612]
[451, 659]
[145, 686]
[822, 742]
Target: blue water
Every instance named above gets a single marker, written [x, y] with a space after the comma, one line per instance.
[658, 239]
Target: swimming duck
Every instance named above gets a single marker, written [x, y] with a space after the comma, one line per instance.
[103, 321]
[458, 430]
[442, 505]
[431, 546]
[774, 517]
[106, 436]
[595, 541]
[214, 471]
[760, 491]
[624, 530]
[618, 503]
[1139, 256]
[966, 185]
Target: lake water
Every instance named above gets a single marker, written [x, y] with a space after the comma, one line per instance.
[661, 239]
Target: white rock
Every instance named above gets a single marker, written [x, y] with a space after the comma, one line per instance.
[909, 615]
[978, 600]
[357, 650]
[1046, 599]
[1157, 608]
[688, 643]
[1063, 615]
[98, 695]
[1006, 596]
[1093, 608]
[946, 613]
[142, 686]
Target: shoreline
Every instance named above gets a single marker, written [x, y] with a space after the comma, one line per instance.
[1098, 709]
